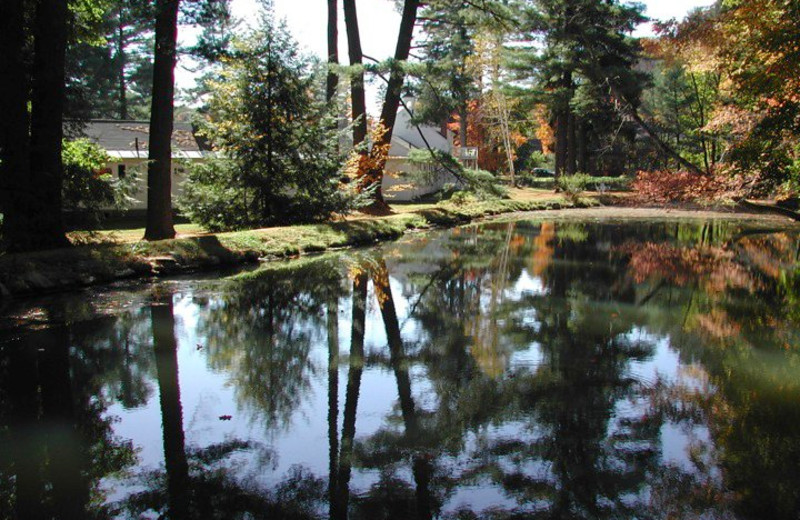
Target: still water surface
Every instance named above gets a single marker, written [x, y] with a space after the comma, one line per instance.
[530, 369]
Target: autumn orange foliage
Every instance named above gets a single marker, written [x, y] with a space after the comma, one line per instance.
[491, 156]
[714, 268]
[662, 187]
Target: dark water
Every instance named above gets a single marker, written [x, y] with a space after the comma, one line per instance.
[515, 370]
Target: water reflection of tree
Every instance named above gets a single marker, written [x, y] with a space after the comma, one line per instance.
[205, 482]
[588, 465]
[125, 361]
[339, 494]
[56, 443]
[592, 460]
[570, 399]
[261, 331]
[739, 293]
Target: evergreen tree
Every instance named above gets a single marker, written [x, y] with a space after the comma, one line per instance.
[582, 62]
[276, 137]
[159, 159]
[110, 65]
[110, 72]
[448, 79]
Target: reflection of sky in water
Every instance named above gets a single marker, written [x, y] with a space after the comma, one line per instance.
[208, 394]
[507, 350]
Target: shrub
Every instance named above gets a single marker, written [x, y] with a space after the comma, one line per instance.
[621, 183]
[573, 185]
[461, 198]
[665, 186]
[538, 160]
[88, 188]
[483, 185]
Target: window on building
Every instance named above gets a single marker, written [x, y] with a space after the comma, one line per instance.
[121, 171]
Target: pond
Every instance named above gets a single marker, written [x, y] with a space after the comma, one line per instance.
[520, 369]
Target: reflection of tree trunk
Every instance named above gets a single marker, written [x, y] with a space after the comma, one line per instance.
[166, 351]
[353, 388]
[383, 292]
[28, 454]
[421, 465]
[70, 488]
[422, 469]
[333, 403]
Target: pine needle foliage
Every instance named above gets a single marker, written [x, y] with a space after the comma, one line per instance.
[276, 139]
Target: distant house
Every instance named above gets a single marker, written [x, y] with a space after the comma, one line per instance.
[398, 185]
[126, 142]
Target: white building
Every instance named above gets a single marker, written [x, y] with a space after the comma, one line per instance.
[398, 186]
[126, 142]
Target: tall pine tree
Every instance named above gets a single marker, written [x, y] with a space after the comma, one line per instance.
[582, 61]
[159, 166]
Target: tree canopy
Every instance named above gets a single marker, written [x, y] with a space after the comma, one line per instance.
[268, 118]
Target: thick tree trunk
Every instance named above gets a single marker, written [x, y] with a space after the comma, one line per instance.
[45, 222]
[561, 142]
[159, 168]
[572, 145]
[121, 60]
[463, 125]
[358, 100]
[14, 144]
[392, 100]
[333, 49]
[582, 131]
[563, 128]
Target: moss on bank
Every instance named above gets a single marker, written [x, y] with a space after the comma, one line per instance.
[92, 264]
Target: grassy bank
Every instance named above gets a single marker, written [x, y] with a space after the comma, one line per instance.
[110, 256]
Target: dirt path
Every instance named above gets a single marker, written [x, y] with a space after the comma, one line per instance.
[620, 212]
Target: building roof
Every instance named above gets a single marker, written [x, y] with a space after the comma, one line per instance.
[129, 139]
[406, 136]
